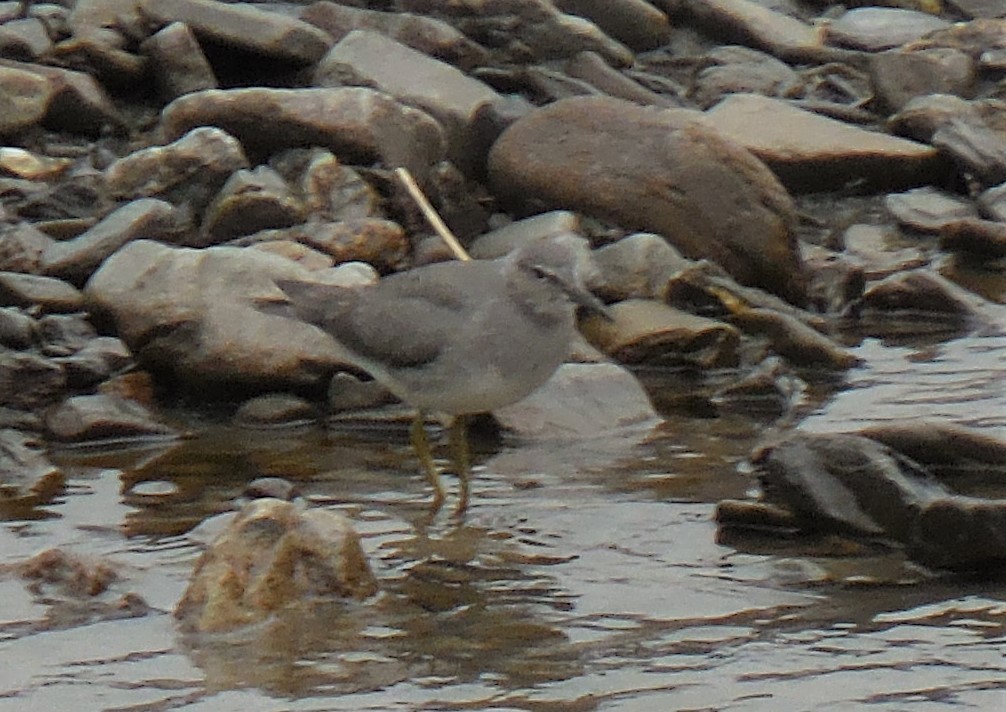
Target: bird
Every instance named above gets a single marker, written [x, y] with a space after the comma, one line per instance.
[458, 338]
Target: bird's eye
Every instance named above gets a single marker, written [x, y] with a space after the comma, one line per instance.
[542, 273]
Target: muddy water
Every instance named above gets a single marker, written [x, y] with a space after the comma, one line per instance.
[584, 577]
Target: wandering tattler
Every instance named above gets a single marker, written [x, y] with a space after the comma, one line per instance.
[457, 338]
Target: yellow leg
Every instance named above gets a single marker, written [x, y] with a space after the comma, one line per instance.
[458, 437]
[421, 445]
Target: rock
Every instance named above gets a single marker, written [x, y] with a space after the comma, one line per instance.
[504, 240]
[580, 400]
[428, 35]
[333, 191]
[24, 39]
[991, 203]
[75, 260]
[346, 392]
[752, 24]
[444, 92]
[879, 28]
[178, 63]
[190, 170]
[928, 209]
[635, 267]
[899, 77]
[591, 68]
[794, 340]
[654, 170]
[810, 153]
[650, 332]
[27, 477]
[271, 557]
[274, 409]
[25, 164]
[64, 334]
[273, 242]
[923, 294]
[770, 388]
[102, 56]
[21, 247]
[81, 419]
[74, 102]
[532, 27]
[251, 200]
[381, 243]
[94, 363]
[29, 381]
[984, 239]
[273, 35]
[978, 151]
[635, 23]
[358, 125]
[922, 116]
[24, 99]
[45, 293]
[741, 70]
[17, 329]
[195, 314]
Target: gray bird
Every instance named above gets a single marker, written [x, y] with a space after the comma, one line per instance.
[457, 338]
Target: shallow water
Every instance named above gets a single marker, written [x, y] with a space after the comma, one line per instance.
[585, 576]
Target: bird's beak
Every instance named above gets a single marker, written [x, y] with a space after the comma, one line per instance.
[586, 299]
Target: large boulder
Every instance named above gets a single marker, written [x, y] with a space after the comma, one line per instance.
[195, 314]
[655, 170]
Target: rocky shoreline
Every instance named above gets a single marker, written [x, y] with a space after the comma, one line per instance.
[165, 161]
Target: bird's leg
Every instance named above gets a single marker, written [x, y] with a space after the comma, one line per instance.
[421, 444]
[458, 437]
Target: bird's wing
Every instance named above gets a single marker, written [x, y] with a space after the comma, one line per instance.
[406, 319]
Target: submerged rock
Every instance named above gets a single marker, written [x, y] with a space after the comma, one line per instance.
[273, 555]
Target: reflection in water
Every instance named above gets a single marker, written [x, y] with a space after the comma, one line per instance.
[584, 577]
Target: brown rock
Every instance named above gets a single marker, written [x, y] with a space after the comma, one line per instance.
[656, 171]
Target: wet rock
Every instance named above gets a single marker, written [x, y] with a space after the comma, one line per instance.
[504, 240]
[358, 125]
[274, 409]
[579, 401]
[272, 556]
[750, 23]
[875, 28]
[75, 102]
[651, 170]
[770, 388]
[75, 260]
[977, 150]
[190, 170]
[64, 334]
[635, 23]
[922, 293]
[940, 444]
[650, 332]
[869, 246]
[453, 98]
[101, 55]
[21, 247]
[984, 239]
[271, 487]
[26, 474]
[991, 203]
[25, 164]
[346, 392]
[899, 77]
[269, 34]
[794, 340]
[81, 419]
[531, 29]
[428, 35]
[928, 209]
[177, 62]
[195, 314]
[251, 200]
[44, 293]
[809, 152]
[635, 267]
[29, 381]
